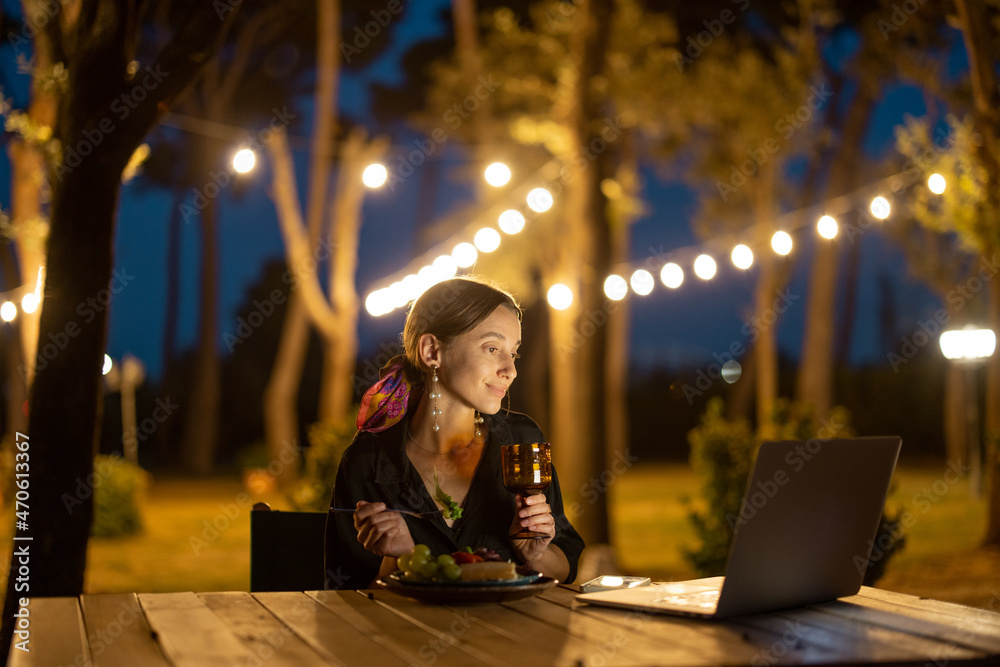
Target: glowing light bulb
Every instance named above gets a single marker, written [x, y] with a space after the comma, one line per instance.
[936, 183]
[8, 311]
[106, 366]
[704, 267]
[445, 266]
[375, 175]
[560, 296]
[540, 200]
[497, 174]
[244, 160]
[615, 287]
[487, 239]
[642, 282]
[511, 221]
[880, 208]
[742, 256]
[465, 255]
[827, 227]
[29, 302]
[672, 275]
[781, 242]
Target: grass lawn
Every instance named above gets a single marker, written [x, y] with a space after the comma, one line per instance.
[197, 535]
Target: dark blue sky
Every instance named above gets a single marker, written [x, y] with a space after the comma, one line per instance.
[668, 327]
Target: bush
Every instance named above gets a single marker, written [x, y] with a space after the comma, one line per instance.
[327, 442]
[722, 454]
[118, 487]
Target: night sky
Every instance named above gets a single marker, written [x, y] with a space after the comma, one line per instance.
[668, 327]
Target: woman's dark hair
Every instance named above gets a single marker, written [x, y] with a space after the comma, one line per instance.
[449, 309]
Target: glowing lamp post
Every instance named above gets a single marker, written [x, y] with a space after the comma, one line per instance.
[969, 348]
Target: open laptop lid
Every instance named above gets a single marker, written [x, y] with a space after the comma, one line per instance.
[810, 516]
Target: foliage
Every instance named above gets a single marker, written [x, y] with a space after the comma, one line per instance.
[722, 454]
[327, 442]
[118, 488]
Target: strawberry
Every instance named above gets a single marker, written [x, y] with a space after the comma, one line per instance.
[465, 557]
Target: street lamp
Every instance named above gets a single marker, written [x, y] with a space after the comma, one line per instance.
[969, 348]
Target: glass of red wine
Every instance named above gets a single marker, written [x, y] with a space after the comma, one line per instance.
[527, 470]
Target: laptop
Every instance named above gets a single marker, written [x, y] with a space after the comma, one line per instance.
[809, 518]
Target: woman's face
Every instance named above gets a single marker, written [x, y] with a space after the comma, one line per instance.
[477, 367]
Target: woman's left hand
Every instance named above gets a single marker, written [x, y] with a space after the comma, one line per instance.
[532, 513]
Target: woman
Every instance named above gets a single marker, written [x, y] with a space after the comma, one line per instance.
[434, 421]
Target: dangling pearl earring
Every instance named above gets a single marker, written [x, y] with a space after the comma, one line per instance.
[435, 395]
[478, 420]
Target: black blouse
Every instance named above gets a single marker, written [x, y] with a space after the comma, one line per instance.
[375, 468]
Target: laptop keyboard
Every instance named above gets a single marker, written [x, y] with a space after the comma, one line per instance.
[701, 599]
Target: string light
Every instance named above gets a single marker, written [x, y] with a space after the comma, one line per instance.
[742, 257]
[827, 227]
[704, 267]
[375, 175]
[108, 364]
[487, 239]
[29, 303]
[672, 275]
[465, 255]
[642, 282]
[880, 208]
[244, 160]
[560, 296]
[511, 221]
[615, 287]
[8, 311]
[781, 243]
[497, 174]
[540, 200]
[936, 184]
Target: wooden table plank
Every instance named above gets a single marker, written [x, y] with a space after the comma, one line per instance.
[414, 642]
[268, 640]
[336, 642]
[52, 633]
[970, 632]
[836, 633]
[118, 631]
[453, 630]
[991, 619]
[713, 642]
[189, 633]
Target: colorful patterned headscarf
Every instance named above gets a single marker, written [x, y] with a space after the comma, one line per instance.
[384, 403]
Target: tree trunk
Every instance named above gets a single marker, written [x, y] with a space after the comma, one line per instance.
[578, 348]
[765, 313]
[280, 418]
[65, 396]
[986, 99]
[815, 381]
[201, 429]
[337, 391]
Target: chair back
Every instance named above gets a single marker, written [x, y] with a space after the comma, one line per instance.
[286, 550]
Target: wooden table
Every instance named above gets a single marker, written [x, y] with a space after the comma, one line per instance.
[380, 628]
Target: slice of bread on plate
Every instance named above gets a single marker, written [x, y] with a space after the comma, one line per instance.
[488, 571]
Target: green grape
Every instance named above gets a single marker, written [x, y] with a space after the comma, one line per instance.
[403, 562]
[429, 569]
[452, 572]
[445, 559]
[417, 562]
[423, 550]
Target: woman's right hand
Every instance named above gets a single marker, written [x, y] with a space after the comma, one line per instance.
[380, 532]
